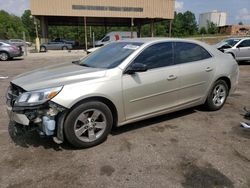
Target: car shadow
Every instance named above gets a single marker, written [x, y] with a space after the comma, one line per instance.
[31, 138]
[244, 63]
[15, 59]
[152, 121]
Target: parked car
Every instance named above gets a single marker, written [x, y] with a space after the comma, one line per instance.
[239, 48]
[121, 83]
[72, 42]
[8, 51]
[19, 42]
[115, 36]
[55, 46]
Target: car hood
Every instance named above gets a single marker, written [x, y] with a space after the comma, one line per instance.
[58, 75]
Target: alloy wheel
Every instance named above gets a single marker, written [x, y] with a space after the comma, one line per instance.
[219, 95]
[4, 56]
[90, 125]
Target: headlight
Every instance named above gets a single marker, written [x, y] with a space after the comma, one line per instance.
[37, 97]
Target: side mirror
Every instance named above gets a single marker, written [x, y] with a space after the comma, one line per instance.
[136, 67]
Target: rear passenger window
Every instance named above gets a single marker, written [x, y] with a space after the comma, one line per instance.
[157, 55]
[188, 52]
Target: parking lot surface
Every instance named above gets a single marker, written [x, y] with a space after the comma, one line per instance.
[190, 148]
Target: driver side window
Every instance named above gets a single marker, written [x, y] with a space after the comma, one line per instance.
[157, 55]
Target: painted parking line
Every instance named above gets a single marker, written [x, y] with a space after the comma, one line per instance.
[4, 77]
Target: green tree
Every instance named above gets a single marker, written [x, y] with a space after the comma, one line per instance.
[178, 29]
[189, 23]
[203, 30]
[11, 26]
[28, 23]
[184, 24]
[240, 23]
[212, 28]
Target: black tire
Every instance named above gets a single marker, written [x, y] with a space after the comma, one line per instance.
[4, 56]
[210, 104]
[64, 48]
[69, 124]
[43, 49]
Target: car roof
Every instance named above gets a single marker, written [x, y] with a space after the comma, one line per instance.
[161, 39]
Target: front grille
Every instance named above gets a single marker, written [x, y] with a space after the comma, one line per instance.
[13, 93]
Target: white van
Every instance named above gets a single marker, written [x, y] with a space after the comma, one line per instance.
[115, 36]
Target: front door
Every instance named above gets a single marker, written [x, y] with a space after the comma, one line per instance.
[155, 90]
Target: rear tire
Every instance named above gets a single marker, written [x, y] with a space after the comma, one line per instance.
[88, 124]
[4, 56]
[217, 96]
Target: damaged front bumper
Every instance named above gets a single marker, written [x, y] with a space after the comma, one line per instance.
[47, 118]
[18, 118]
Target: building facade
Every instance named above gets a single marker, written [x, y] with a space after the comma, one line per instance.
[104, 8]
[218, 18]
[100, 12]
[237, 30]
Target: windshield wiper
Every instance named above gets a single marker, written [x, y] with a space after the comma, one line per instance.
[84, 65]
[78, 63]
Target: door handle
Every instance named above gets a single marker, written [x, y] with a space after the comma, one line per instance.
[209, 69]
[172, 77]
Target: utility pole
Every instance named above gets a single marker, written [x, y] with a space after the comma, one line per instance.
[152, 28]
[132, 26]
[85, 32]
[170, 28]
[25, 45]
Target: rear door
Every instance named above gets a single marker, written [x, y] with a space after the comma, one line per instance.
[196, 71]
[243, 50]
[155, 90]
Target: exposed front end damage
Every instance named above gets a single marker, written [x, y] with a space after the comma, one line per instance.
[46, 118]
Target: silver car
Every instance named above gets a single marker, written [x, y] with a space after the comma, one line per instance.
[8, 51]
[239, 48]
[55, 46]
[121, 83]
[19, 42]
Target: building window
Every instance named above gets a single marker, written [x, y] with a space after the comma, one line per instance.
[107, 8]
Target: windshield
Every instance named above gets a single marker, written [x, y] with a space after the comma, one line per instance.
[111, 55]
[231, 42]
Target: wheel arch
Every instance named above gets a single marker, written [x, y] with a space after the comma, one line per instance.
[227, 80]
[5, 52]
[104, 100]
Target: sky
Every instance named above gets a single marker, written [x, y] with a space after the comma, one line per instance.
[238, 10]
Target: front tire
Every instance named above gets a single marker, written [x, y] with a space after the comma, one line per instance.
[65, 48]
[88, 124]
[217, 96]
[43, 49]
